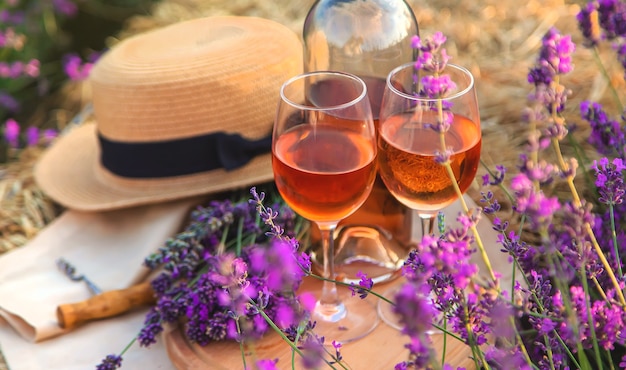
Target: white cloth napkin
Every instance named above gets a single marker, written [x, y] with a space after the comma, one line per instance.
[109, 248]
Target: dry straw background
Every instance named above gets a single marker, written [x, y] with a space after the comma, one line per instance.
[496, 39]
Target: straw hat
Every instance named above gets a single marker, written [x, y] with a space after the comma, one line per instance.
[179, 111]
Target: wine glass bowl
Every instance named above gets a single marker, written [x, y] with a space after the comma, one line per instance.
[428, 147]
[324, 161]
[409, 143]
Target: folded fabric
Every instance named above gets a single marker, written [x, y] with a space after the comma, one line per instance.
[85, 347]
[108, 248]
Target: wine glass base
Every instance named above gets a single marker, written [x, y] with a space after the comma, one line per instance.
[364, 248]
[389, 317]
[360, 319]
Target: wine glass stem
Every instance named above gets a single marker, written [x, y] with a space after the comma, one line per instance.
[428, 224]
[329, 306]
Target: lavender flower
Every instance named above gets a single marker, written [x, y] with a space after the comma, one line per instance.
[32, 136]
[416, 314]
[607, 135]
[498, 176]
[75, 68]
[588, 23]
[65, 7]
[612, 18]
[538, 207]
[365, 284]
[111, 362]
[554, 58]
[610, 180]
[266, 364]
[12, 132]
[433, 58]
[8, 102]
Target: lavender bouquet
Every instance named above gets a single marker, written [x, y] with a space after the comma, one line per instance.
[565, 307]
[232, 274]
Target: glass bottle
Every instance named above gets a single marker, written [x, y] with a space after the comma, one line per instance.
[367, 38]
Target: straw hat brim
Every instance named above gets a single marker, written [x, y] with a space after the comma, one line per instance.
[72, 175]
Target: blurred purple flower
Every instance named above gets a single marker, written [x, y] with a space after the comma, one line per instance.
[49, 135]
[607, 135]
[8, 102]
[74, 67]
[65, 7]
[266, 364]
[13, 17]
[534, 204]
[32, 136]
[111, 362]
[12, 132]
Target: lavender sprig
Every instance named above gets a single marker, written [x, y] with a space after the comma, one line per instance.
[434, 58]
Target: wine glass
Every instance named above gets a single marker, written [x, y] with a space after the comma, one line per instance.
[324, 162]
[410, 145]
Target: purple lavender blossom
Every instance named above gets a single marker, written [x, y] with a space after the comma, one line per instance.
[497, 178]
[432, 57]
[8, 102]
[538, 207]
[607, 135]
[492, 205]
[74, 67]
[554, 58]
[12, 132]
[313, 352]
[49, 135]
[266, 364]
[506, 358]
[416, 313]
[610, 180]
[17, 69]
[541, 171]
[620, 49]
[365, 284]
[32, 136]
[435, 84]
[231, 285]
[443, 157]
[152, 327]
[612, 18]
[588, 23]
[65, 7]
[111, 362]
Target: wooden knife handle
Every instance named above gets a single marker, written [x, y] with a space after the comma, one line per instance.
[107, 304]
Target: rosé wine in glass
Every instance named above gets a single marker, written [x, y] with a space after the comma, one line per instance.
[324, 161]
[429, 142]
